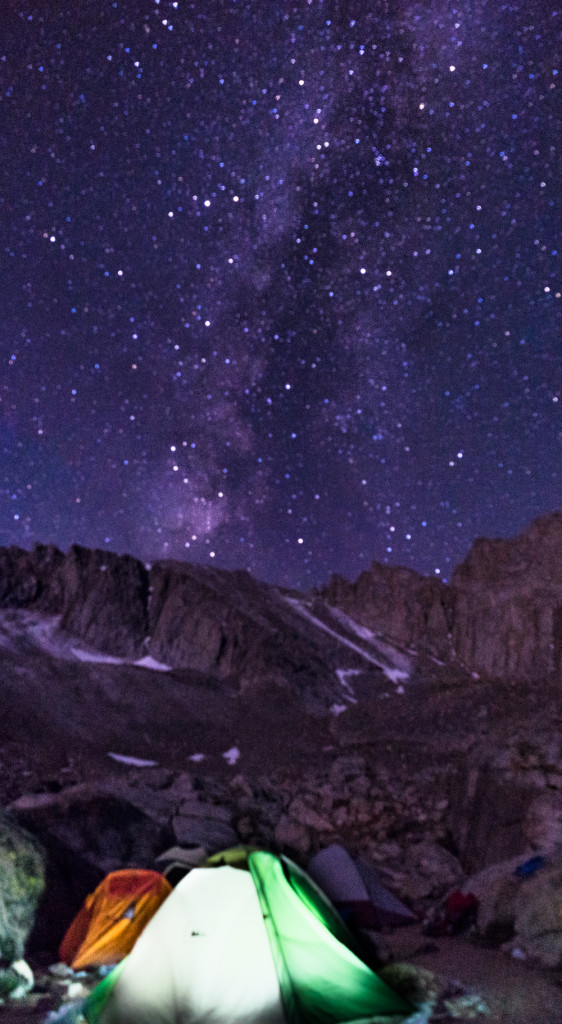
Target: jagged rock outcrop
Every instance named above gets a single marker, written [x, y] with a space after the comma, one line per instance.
[501, 615]
[412, 609]
[101, 597]
[221, 624]
[508, 608]
[105, 599]
[229, 625]
[31, 579]
[531, 559]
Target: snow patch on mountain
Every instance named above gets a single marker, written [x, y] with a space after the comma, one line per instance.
[149, 662]
[343, 675]
[25, 631]
[135, 762]
[396, 658]
[394, 664]
[96, 656]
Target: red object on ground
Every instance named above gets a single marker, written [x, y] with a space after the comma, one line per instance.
[458, 913]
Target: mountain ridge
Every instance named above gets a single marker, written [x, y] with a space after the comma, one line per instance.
[501, 615]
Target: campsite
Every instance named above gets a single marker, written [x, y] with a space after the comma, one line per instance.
[417, 793]
[245, 935]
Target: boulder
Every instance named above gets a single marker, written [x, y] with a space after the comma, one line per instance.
[86, 832]
[487, 815]
[204, 824]
[97, 823]
[22, 881]
[543, 822]
[425, 870]
[16, 980]
[291, 836]
[303, 814]
[522, 913]
[344, 769]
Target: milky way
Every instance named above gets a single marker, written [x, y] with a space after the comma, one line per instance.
[280, 282]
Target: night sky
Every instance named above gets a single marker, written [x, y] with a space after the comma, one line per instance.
[280, 281]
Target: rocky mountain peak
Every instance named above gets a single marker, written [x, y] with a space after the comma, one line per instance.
[532, 559]
[501, 615]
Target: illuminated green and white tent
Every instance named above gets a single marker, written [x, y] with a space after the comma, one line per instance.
[233, 946]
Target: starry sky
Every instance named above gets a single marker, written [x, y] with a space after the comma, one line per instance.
[280, 281]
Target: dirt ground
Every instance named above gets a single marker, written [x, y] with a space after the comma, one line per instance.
[515, 992]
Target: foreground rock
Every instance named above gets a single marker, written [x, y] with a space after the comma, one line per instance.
[393, 820]
[86, 831]
[22, 881]
[524, 914]
[92, 828]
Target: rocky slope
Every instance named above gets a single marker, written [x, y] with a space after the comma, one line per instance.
[416, 722]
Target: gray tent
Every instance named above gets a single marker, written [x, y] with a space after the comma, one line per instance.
[178, 861]
[356, 890]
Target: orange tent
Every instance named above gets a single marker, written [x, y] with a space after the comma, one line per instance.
[112, 918]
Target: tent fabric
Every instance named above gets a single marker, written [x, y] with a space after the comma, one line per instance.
[337, 875]
[236, 857]
[322, 979]
[112, 918]
[231, 946]
[356, 890]
[204, 958]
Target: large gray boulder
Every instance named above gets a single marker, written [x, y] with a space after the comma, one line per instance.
[86, 832]
[22, 881]
[97, 823]
[523, 914]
